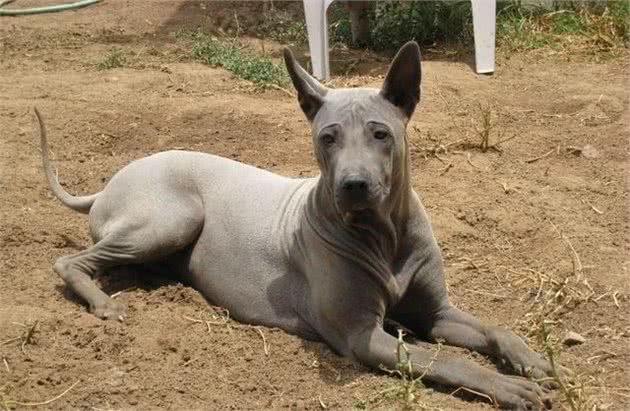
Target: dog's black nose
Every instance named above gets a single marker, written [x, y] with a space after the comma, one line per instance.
[355, 189]
[355, 186]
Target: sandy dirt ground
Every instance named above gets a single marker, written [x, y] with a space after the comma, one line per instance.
[539, 225]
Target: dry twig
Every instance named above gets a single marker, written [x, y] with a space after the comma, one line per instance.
[614, 297]
[577, 264]
[598, 211]
[224, 320]
[445, 169]
[547, 154]
[502, 297]
[284, 90]
[265, 345]
[36, 404]
[26, 337]
[321, 403]
[468, 159]
[480, 394]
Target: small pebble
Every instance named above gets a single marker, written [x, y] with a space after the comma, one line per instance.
[573, 338]
[588, 151]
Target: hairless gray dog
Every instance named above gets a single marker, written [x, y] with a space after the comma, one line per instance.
[325, 258]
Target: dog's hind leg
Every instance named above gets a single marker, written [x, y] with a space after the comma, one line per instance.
[126, 242]
[77, 271]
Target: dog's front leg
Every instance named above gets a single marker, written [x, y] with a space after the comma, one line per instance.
[426, 310]
[464, 330]
[376, 348]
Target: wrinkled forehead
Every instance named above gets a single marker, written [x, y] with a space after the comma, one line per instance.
[353, 108]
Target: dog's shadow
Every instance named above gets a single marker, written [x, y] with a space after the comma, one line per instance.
[333, 368]
[122, 278]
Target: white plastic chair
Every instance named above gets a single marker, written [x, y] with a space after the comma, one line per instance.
[484, 27]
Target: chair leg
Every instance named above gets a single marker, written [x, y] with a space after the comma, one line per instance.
[484, 27]
[317, 28]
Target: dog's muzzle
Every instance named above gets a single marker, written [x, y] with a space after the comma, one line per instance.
[355, 194]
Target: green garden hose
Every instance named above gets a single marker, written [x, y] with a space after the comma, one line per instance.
[45, 9]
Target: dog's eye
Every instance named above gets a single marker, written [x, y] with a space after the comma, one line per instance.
[381, 135]
[328, 139]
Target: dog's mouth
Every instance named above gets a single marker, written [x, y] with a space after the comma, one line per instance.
[348, 208]
[359, 213]
[359, 217]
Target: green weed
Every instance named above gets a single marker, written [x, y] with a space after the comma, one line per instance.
[393, 23]
[283, 28]
[255, 68]
[598, 25]
[520, 25]
[113, 59]
[603, 25]
[572, 387]
[407, 391]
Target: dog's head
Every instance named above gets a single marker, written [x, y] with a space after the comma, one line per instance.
[359, 134]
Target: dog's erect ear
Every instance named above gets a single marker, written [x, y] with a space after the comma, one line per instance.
[402, 83]
[310, 92]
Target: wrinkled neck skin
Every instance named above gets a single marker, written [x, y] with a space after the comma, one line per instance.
[372, 243]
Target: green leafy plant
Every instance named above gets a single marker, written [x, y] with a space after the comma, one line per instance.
[113, 59]
[283, 28]
[572, 387]
[408, 390]
[602, 24]
[393, 23]
[520, 25]
[255, 68]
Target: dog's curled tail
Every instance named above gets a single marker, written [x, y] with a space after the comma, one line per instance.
[81, 204]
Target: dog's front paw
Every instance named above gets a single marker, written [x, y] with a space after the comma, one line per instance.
[519, 393]
[529, 364]
[111, 310]
[526, 362]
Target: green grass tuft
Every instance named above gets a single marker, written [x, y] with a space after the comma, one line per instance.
[568, 22]
[113, 59]
[520, 25]
[599, 25]
[519, 33]
[592, 25]
[393, 23]
[283, 28]
[255, 68]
